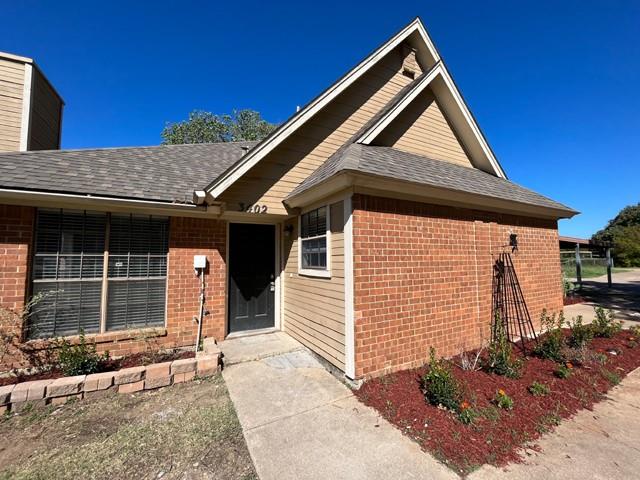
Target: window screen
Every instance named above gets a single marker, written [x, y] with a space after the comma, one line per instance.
[313, 233]
[137, 274]
[67, 272]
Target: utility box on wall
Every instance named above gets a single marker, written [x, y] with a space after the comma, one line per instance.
[199, 262]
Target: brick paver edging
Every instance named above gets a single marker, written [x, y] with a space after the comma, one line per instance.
[127, 380]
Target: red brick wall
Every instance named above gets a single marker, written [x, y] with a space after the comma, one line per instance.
[423, 276]
[187, 237]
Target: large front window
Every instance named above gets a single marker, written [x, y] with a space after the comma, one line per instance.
[97, 272]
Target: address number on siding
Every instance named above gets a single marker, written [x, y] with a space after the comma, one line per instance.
[257, 208]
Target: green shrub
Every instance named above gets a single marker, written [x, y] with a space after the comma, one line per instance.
[604, 325]
[564, 370]
[551, 344]
[612, 377]
[79, 359]
[502, 400]
[500, 358]
[581, 335]
[567, 286]
[439, 385]
[538, 389]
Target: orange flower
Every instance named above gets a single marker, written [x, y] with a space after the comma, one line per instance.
[464, 405]
[569, 365]
[501, 392]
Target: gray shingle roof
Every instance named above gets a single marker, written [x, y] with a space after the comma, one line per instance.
[167, 173]
[389, 162]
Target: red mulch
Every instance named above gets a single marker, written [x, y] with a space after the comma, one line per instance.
[573, 300]
[493, 440]
[134, 360]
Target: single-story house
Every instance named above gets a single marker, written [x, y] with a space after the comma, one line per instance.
[366, 227]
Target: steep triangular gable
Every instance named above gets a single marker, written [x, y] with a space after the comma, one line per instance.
[448, 102]
[426, 54]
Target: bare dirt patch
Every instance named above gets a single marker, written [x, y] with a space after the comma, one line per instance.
[184, 431]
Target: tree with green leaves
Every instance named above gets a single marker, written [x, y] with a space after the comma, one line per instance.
[206, 127]
[623, 232]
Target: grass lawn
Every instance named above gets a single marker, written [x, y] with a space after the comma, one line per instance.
[184, 431]
[589, 271]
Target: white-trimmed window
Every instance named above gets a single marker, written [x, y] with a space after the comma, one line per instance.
[314, 242]
[97, 272]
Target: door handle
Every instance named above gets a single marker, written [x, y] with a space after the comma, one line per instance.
[272, 287]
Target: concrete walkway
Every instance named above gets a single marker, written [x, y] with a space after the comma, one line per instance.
[623, 297]
[602, 444]
[301, 423]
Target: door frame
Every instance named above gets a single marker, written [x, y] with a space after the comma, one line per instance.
[277, 301]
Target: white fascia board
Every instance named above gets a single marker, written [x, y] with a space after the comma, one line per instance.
[370, 135]
[271, 142]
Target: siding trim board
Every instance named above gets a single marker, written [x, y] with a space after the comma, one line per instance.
[26, 107]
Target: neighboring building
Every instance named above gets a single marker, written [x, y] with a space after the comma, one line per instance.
[366, 227]
[30, 108]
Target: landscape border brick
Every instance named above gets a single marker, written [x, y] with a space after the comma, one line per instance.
[17, 396]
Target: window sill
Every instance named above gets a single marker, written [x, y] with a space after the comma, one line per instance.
[308, 272]
[98, 338]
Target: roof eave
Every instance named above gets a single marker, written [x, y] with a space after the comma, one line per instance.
[39, 198]
[367, 183]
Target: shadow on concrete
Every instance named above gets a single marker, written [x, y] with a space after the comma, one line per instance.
[623, 295]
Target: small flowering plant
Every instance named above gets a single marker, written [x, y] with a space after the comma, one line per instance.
[564, 370]
[466, 413]
[502, 400]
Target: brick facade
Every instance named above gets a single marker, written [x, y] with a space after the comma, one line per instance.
[423, 276]
[187, 237]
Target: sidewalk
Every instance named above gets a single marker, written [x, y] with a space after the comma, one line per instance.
[301, 423]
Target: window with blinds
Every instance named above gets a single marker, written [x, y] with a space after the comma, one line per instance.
[137, 274]
[73, 289]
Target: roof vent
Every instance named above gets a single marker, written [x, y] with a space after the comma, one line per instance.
[410, 65]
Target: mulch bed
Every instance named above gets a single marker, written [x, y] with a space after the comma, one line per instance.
[572, 300]
[134, 360]
[497, 435]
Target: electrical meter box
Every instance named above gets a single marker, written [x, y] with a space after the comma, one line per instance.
[199, 262]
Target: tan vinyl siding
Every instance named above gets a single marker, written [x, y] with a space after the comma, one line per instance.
[11, 91]
[45, 115]
[269, 182]
[313, 308]
[422, 129]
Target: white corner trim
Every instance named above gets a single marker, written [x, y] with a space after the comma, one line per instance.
[349, 312]
[26, 107]
[371, 134]
[296, 121]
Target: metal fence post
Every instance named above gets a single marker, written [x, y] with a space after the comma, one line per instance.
[609, 265]
[578, 266]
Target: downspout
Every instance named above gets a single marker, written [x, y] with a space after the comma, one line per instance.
[200, 311]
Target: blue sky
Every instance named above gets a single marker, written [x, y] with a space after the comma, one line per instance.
[554, 85]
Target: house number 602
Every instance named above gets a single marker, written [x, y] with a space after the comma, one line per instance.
[252, 208]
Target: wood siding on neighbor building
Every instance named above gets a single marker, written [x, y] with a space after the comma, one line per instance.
[422, 129]
[423, 278]
[313, 307]
[46, 115]
[11, 93]
[272, 179]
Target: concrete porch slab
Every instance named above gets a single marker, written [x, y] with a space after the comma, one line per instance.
[256, 347]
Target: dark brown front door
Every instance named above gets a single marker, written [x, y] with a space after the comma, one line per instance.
[251, 276]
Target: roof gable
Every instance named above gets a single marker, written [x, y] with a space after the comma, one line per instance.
[414, 34]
